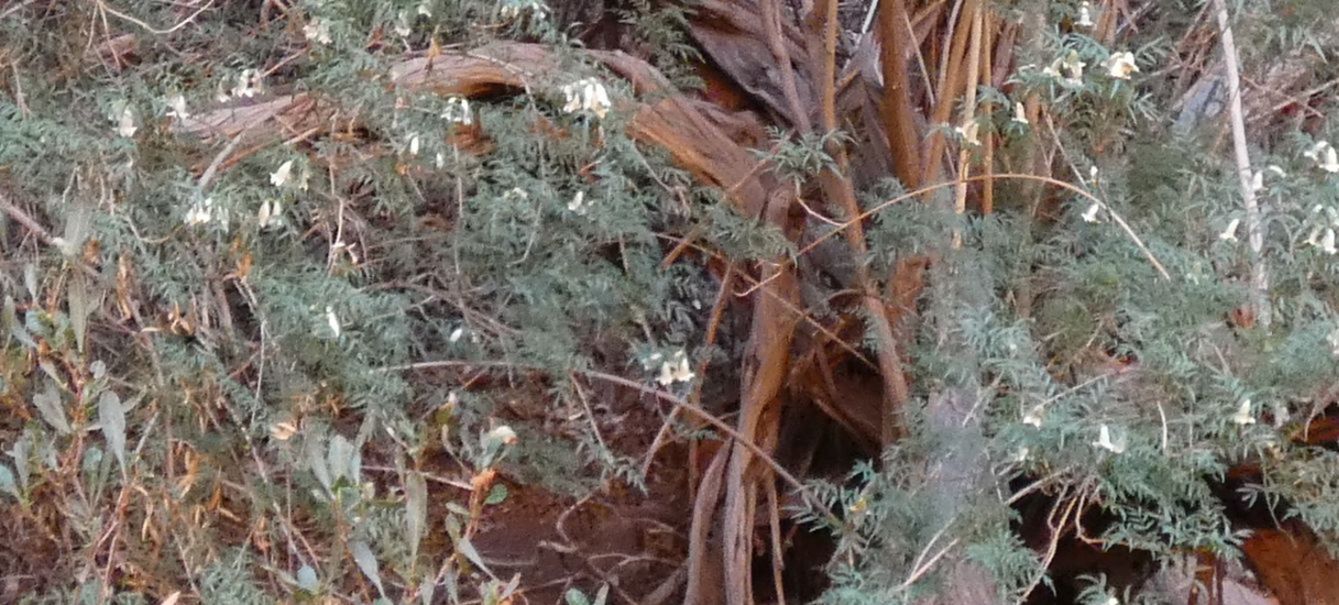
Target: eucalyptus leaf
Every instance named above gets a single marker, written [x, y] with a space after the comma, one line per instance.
[342, 459]
[574, 596]
[426, 589]
[465, 547]
[20, 452]
[7, 483]
[30, 280]
[416, 510]
[112, 418]
[367, 562]
[52, 410]
[307, 579]
[76, 294]
[9, 319]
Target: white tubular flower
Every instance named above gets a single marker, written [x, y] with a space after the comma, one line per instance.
[1085, 15]
[1327, 242]
[675, 370]
[317, 30]
[512, 9]
[332, 321]
[587, 95]
[249, 84]
[125, 122]
[969, 132]
[1243, 416]
[1090, 215]
[1073, 68]
[458, 111]
[1035, 416]
[271, 214]
[502, 434]
[1331, 163]
[1276, 170]
[413, 144]
[279, 177]
[177, 107]
[425, 8]
[1324, 155]
[1105, 441]
[455, 335]
[1333, 339]
[1257, 181]
[1020, 114]
[402, 25]
[1121, 65]
[578, 203]
[1230, 233]
[200, 213]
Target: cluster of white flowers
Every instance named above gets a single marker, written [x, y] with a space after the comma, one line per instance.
[1121, 65]
[578, 203]
[249, 84]
[404, 24]
[1243, 415]
[458, 111]
[1323, 235]
[1020, 114]
[969, 132]
[176, 105]
[1106, 442]
[125, 121]
[674, 369]
[1090, 215]
[587, 95]
[1070, 67]
[317, 30]
[332, 321]
[203, 212]
[1324, 155]
[1035, 416]
[271, 214]
[512, 9]
[282, 175]
[1085, 15]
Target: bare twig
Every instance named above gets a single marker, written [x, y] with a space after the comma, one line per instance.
[1259, 274]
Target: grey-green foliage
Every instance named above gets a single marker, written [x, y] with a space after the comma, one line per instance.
[1081, 337]
[277, 325]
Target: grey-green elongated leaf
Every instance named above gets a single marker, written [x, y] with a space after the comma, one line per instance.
[49, 405]
[367, 562]
[7, 484]
[9, 317]
[340, 459]
[30, 280]
[307, 578]
[426, 589]
[467, 548]
[316, 462]
[416, 510]
[20, 451]
[112, 417]
[76, 294]
[574, 596]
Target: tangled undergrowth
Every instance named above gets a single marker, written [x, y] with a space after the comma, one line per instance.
[472, 301]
